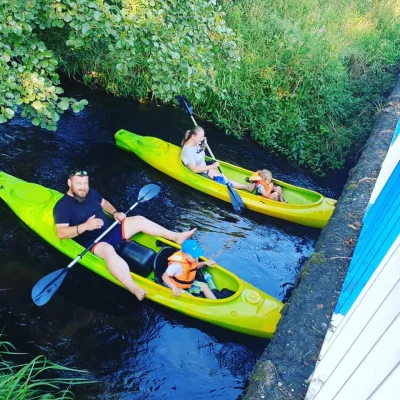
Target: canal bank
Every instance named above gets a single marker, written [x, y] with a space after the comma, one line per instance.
[286, 365]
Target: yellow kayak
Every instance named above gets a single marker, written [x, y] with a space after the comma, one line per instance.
[246, 309]
[303, 206]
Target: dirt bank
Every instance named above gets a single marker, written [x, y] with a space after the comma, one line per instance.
[284, 368]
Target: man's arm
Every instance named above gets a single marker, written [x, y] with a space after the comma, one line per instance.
[108, 207]
[64, 231]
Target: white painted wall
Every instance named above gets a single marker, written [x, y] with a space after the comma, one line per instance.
[361, 359]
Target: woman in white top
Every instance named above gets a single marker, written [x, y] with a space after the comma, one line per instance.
[193, 156]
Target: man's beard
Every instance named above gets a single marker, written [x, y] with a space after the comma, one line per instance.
[78, 198]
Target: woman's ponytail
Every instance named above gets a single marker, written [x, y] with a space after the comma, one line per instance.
[190, 133]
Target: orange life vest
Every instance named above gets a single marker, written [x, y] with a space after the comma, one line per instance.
[186, 278]
[255, 177]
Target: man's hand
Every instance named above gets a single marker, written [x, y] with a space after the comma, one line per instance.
[119, 216]
[93, 223]
[176, 291]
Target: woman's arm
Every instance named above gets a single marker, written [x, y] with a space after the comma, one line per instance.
[198, 169]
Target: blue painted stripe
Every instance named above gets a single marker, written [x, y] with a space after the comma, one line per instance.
[381, 228]
[396, 132]
[377, 225]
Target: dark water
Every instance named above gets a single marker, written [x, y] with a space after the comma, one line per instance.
[141, 350]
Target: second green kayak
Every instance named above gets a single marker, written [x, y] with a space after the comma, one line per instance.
[304, 206]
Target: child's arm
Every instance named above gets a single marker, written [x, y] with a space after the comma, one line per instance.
[264, 192]
[209, 263]
[168, 281]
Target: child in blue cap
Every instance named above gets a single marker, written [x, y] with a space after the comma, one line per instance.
[182, 267]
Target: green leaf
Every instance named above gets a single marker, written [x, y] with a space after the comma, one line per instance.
[67, 18]
[63, 105]
[9, 113]
[86, 28]
[37, 105]
[3, 119]
[54, 116]
[36, 121]
[5, 57]
[97, 15]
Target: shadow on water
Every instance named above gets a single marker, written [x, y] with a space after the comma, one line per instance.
[141, 350]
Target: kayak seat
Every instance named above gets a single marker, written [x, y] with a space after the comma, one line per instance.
[139, 258]
[160, 262]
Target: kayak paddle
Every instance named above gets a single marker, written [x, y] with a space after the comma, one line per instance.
[236, 200]
[44, 289]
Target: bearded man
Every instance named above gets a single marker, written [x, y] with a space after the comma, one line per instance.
[79, 215]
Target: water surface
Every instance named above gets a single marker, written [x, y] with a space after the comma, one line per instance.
[141, 350]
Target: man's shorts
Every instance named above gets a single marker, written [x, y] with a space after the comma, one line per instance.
[115, 237]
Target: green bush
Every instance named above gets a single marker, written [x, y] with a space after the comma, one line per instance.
[303, 78]
[128, 47]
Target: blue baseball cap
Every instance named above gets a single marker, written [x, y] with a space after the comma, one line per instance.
[191, 247]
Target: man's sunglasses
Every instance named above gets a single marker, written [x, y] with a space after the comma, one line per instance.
[78, 173]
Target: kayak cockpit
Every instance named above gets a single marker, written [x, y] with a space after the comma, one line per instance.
[161, 264]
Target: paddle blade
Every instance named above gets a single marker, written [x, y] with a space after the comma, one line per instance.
[148, 192]
[44, 289]
[185, 104]
[236, 200]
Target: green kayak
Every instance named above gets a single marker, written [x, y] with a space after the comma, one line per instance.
[246, 309]
[304, 206]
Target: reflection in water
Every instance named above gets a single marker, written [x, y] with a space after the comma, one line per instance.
[140, 351]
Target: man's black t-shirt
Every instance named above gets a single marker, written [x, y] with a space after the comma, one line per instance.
[70, 211]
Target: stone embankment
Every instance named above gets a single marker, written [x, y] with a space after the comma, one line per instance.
[289, 360]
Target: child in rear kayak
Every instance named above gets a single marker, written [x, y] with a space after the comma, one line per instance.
[265, 187]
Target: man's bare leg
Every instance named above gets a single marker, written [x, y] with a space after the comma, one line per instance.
[119, 268]
[133, 225]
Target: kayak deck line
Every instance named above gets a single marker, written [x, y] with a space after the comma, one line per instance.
[248, 310]
[305, 207]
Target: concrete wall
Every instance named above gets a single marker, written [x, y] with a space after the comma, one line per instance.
[360, 357]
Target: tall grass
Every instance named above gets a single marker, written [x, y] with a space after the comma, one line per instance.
[311, 75]
[32, 380]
